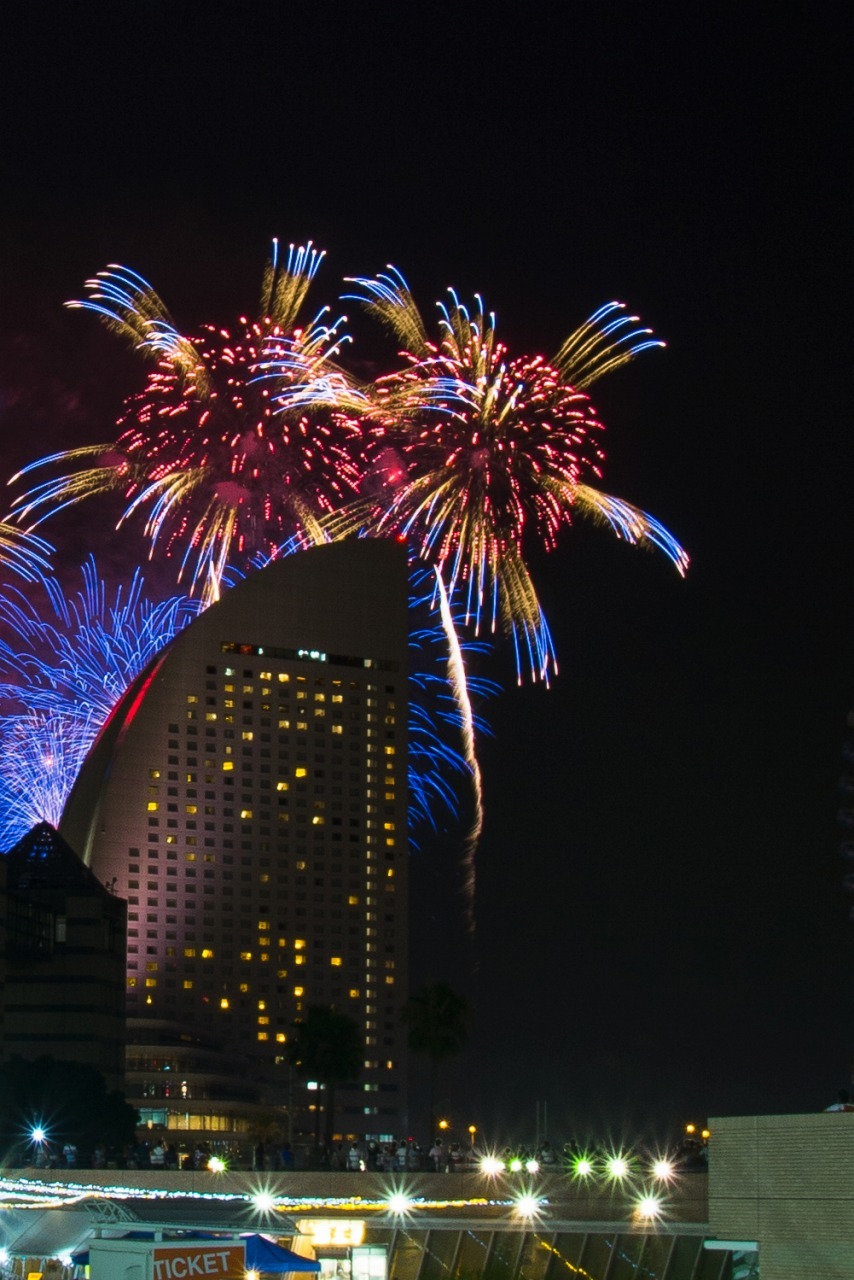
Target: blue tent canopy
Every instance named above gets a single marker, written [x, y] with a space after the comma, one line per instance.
[261, 1254]
[264, 1255]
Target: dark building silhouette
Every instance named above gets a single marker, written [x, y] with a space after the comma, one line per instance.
[62, 958]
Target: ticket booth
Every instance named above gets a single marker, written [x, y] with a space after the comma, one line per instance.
[221, 1259]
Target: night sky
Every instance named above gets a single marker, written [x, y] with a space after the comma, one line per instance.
[661, 931]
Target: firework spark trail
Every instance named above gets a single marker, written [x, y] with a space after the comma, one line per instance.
[457, 681]
[23, 552]
[239, 439]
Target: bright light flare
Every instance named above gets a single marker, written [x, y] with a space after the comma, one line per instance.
[264, 1201]
[648, 1207]
[491, 1165]
[216, 1164]
[617, 1167]
[38, 1134]
[582, 1167]
[399, 1203]
[528, 1206]
[663, 1170]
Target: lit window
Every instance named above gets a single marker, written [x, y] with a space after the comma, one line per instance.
[228, 766]
[263, 1022]
[353, 900]
[210, 715]
[354, 993]
[299, 959]
[298, 991]
[207, 953]
[192, 808]
[151, 966]
[223, 1004]
[154, 773]
[318, 820]
[246, 813]
[151, 982]
[282, 786]
[281, 1037]
[247, 735]
[131, 982]
[300, 772]
[263, 1035]
[188, 984]
[190, 953]
[153, 806]
[283, 677]
[390, 751]
[335, 961]
[246, 955]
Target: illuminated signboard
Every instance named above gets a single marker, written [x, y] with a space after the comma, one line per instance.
[342, 1232]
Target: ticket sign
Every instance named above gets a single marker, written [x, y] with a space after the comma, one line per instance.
[200, 1261]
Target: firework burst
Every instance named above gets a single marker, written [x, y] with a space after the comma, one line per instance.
[241, 437]
[494, 454]
[72, 660]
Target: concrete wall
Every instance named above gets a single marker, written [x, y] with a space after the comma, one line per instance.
[788, 1183]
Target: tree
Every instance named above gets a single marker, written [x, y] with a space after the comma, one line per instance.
[328, 1048]
[68, 1100]
[438, 1020]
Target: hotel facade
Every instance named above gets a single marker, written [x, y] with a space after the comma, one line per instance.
[248, 798]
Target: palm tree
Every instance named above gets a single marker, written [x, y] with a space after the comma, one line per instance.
[327, 1048]
[438, 1020]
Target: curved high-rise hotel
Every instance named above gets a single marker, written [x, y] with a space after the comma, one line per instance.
[248, 798]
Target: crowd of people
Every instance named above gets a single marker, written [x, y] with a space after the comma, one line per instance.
[405, 1155]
